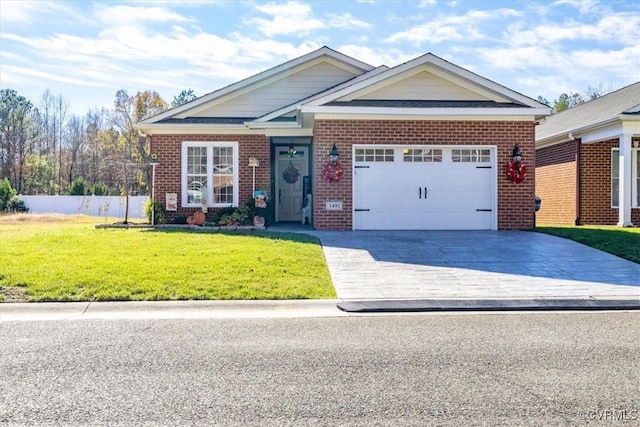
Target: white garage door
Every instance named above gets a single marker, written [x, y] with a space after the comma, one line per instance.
[424, 188]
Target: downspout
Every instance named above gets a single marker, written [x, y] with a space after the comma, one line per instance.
[578, 177]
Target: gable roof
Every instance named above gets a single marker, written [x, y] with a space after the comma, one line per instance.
[182, 111]
[591, 114]
[479, 95]
[326, 81]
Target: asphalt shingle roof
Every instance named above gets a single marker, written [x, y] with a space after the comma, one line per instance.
[611, 105]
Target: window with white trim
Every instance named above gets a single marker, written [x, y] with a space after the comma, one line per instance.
[615, 178]
[209, 172]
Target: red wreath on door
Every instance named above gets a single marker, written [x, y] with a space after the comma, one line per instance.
[516, 171]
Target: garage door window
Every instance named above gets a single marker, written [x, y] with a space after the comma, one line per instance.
[421, 155]
[374, 155]
[471, 155]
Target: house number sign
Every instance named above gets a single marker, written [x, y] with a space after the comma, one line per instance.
[333, 205]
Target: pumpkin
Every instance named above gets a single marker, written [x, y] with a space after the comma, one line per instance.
[199, 218]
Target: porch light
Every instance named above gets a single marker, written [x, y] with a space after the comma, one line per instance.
[516, 155]
[333, 154]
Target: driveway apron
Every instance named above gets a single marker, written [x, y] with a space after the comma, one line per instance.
[472, 264]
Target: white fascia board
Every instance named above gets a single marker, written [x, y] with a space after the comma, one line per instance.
[298, 104]
[272, 125]
[164, 129]
[600, 131]
[548, 142]
[425, 111]
[249, 81]
[496, 118]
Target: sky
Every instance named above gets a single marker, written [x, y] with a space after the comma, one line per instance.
[88, 50]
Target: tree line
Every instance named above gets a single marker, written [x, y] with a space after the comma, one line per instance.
[46, 150]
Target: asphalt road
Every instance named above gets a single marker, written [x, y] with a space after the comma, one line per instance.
[481, 369]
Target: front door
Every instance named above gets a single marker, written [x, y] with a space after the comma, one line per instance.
[292, 164]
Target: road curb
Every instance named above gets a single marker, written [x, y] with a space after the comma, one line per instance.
[450, 305]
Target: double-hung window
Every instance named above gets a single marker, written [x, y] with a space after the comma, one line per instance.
[635, 177]
[209, 174]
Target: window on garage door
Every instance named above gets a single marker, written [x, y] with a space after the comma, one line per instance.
[422, 155]
[374, 154]
[471, 155]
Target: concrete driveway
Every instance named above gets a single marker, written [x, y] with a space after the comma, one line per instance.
[472, 264]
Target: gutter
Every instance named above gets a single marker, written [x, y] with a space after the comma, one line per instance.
[578, 143]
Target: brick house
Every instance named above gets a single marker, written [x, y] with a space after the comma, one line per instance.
[587, 162]
[422, 145]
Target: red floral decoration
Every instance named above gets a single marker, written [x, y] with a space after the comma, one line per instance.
[332, 172]
[516, 171]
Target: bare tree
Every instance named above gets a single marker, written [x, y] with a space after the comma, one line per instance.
[17, 135]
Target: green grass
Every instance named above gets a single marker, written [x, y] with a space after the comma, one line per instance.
[68, 259]
[623, 242]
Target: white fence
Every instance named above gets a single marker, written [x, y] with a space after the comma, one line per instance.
[86, 205]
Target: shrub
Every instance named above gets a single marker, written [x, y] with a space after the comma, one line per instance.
[99, 189]
[178, 220]
[240, 216]
[16, 205]
[7, 192]
[155, 208]
[78, 187]
[222, 213]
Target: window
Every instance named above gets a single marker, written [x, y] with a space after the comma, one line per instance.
[374, 155]
[615, 177]
[422, 155]
[209, 172]
[471, 155]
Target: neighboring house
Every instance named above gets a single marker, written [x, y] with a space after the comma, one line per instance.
[587, 162]
[423, 145]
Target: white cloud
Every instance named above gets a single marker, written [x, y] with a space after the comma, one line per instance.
[377, 56]
[29, 12]
[448, 28]
[616, 28]
[583, 6]
[123, 15]
[287, 18]
[346, 21]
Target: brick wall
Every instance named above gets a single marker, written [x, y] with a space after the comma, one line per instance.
[556, 183]
[515, 201]
[168, 172]
[595, 191]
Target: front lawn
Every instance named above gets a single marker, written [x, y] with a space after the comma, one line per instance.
[623, 242]
[58, 258]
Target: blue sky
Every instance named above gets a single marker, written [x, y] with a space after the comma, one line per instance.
[86, 51]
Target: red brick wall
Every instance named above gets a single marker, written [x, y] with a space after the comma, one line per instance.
[556, 183]
[168, 172]
[595, 175]
[515, 201]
